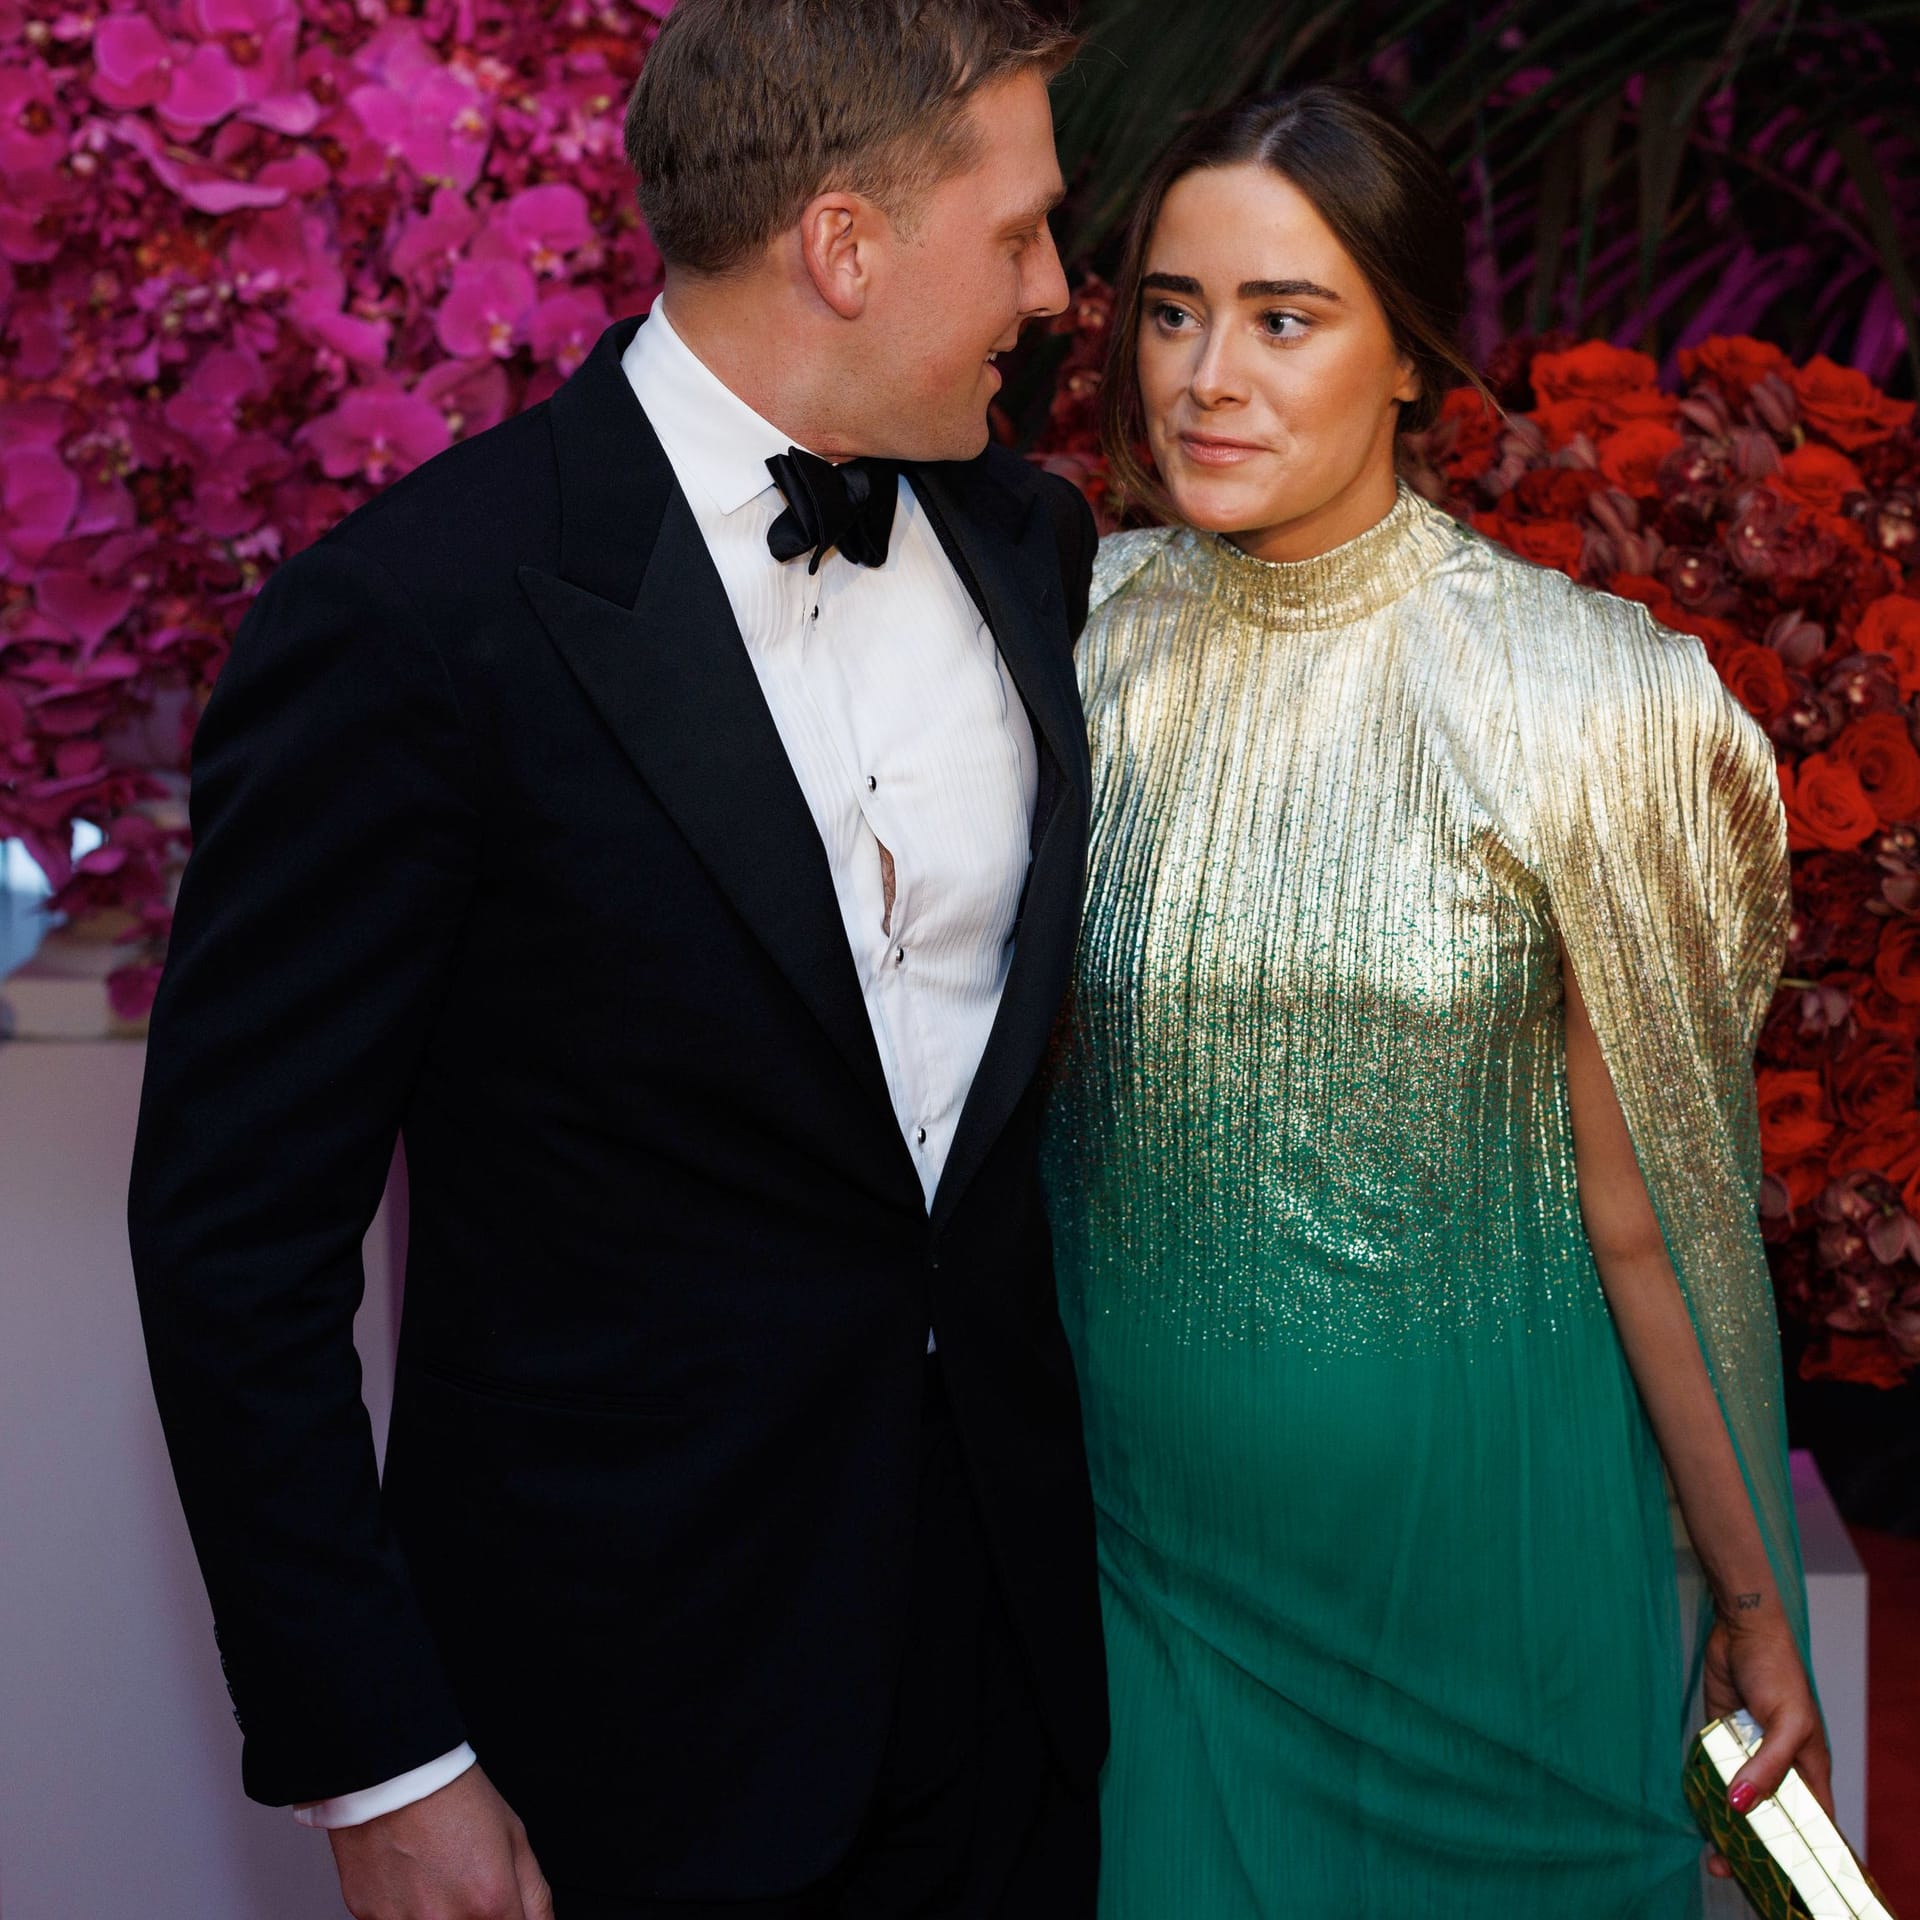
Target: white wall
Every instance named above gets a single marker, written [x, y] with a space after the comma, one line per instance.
[119, 1762]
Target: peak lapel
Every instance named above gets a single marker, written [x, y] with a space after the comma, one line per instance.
[1001, 548]
[640, 616]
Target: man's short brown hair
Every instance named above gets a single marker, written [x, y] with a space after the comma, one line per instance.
[748, 108]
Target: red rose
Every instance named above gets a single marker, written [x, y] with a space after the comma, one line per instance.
[1467, 428]
[1546, 542]
[1889, 1147]
[1721, 637]
[1826, 804]
[1877, 1011]
[1844, 405]
[1872, 1081]
[1892, 626]
[1820, 478]
[1864, 1359]
[1896, 964]
[1804, 1180]
[1556, 493]
[1646, 403]
[1831, 924]
[1793, 1115]
[1879, 749]
[1592, 371]
[1756, 678]
[1651, 593]
[1630, 457]
[1564, 421]
[1733, 363]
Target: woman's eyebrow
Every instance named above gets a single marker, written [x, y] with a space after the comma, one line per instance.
[1285, 290]
[1249, 289]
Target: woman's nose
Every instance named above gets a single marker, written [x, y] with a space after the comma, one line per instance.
[1216, 380]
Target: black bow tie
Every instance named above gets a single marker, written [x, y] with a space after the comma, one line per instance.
[849, 506]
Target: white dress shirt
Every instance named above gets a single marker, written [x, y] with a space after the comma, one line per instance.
[905, 732]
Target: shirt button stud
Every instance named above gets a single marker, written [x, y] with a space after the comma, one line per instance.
[873, 785]
[899, 956]
[920, 1136]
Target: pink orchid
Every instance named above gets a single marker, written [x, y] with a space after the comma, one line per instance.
[229, 497]
[544, 224]
[261, 40]
[132, 62]
[472, 395]
[486, 309]
[427, 116]
[566, 326]
[203, 86]
[237, 214]
[431, 240]
[378, 433]
[33, 126]
[200, 183]
[38, 495]
[206, 409]
[88, 608]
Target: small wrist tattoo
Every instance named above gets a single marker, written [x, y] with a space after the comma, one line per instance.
[1746, 1602]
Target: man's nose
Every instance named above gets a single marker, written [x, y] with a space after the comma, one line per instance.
[1045, 292]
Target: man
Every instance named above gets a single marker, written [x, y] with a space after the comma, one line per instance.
[668, 811]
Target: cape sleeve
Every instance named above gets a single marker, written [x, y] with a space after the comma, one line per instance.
[1661, 840]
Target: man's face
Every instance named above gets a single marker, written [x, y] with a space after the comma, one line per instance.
[975, 264]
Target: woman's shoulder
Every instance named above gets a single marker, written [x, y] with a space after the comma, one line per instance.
[1596, 652]
[1124, 560]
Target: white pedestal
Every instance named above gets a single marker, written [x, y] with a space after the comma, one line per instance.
[119, 1763]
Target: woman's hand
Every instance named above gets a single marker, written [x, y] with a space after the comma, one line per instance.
[1752, 1662]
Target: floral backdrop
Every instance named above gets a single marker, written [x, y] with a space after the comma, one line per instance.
[258, 257]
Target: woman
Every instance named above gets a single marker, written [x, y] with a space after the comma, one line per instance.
[1427, 887]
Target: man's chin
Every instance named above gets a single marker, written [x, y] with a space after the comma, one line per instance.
[963, 441]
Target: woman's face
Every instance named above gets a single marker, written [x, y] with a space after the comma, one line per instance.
[1268, 373]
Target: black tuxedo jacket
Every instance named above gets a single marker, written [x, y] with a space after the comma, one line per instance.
[497, 847]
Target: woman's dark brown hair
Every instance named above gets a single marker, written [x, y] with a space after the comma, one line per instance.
[1387, 199]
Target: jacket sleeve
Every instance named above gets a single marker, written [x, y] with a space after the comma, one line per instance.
[335, 844]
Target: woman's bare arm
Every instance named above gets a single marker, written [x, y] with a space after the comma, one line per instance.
[1752, 1659]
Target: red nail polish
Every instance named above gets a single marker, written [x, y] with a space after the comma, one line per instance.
[1744, 1798]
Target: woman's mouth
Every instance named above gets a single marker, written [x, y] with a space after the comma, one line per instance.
[1214, 450]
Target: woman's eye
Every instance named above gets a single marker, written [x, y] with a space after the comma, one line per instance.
[1283, 326]
[1170, 317]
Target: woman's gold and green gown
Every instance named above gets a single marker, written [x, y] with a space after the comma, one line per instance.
[1385, 1552]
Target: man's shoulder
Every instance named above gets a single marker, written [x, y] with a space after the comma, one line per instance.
[465, 520]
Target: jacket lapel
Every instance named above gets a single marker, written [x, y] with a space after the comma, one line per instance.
[639, 614]
[999, 546]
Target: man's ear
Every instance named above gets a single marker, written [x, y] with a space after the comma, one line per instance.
[839, 240]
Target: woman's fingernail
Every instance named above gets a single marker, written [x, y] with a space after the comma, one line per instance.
[1744, 1798]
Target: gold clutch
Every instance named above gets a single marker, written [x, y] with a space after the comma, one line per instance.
[1788, 1857]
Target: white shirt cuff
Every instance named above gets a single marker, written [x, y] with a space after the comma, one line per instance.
[355, 1809]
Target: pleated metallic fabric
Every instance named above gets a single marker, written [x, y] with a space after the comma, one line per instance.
[1388, 1580]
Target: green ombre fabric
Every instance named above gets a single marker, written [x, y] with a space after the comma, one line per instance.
[1387, 1571]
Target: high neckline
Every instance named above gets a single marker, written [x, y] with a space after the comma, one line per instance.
[1348, 582]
